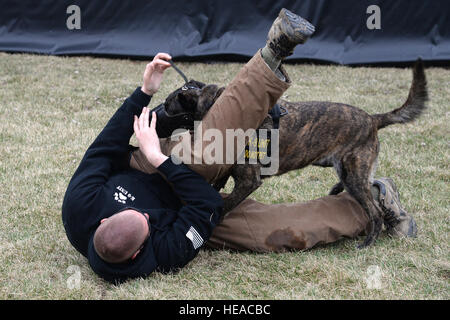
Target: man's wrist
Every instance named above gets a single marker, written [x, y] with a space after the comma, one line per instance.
[157, 160]
[146, 91]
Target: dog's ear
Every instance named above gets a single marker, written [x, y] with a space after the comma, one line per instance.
[188, 100]
[207, 99]
[219, 92]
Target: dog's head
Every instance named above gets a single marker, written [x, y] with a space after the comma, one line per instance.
[194, 97]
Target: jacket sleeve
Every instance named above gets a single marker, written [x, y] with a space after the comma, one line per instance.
[180, 243]
[109, 151]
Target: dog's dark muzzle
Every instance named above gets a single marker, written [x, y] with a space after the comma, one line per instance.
[166, 124]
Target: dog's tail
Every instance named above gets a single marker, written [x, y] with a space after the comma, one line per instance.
[414, 105]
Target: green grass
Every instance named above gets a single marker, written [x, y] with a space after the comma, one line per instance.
[51, 109]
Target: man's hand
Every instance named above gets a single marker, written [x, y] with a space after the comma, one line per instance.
[154, 72]
[148, 138]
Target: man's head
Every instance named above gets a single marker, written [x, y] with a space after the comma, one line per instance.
[121, 236]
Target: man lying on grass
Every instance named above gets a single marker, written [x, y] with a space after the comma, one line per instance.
[129, 222]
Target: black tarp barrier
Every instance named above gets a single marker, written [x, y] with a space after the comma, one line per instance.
[348, 31]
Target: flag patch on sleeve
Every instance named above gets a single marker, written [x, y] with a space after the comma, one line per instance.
[195, 237]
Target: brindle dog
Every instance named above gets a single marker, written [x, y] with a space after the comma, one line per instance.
[325, 134]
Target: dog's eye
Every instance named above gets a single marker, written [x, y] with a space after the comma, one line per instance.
[184, 88]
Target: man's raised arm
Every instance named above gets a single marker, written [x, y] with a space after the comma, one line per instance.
[110, 150]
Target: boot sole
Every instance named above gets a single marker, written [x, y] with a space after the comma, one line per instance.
[297, 28]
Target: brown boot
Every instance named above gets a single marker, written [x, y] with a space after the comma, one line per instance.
[397, 221]
[287, 31]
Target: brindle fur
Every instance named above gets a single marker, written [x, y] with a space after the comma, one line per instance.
[325, 134]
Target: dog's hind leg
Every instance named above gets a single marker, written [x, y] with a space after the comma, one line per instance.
[331, 162]
[356, 168]
[374, 168]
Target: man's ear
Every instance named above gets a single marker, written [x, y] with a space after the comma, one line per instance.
[103, 220]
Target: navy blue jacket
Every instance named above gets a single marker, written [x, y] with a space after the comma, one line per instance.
[182, 216]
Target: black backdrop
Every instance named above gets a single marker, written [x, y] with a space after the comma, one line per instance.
[226, 29]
